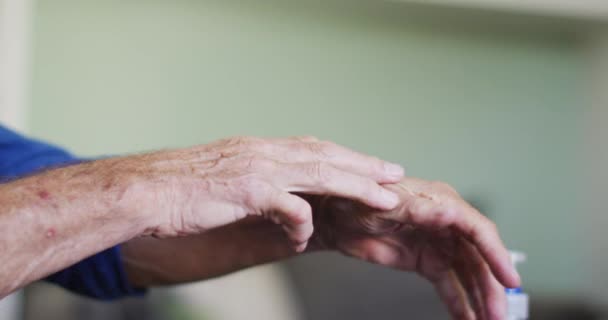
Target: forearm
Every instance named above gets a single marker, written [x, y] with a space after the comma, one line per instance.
[247, 243]
[54, 219]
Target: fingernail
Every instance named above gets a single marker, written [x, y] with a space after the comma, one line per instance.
[393, 169]
[389, 199]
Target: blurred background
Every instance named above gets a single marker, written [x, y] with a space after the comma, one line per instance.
[505, 100]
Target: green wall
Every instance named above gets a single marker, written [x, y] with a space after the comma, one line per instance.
[492, 111]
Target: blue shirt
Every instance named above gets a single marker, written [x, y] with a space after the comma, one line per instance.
[100, 276]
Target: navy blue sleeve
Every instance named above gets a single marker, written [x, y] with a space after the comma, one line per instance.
[100, 276]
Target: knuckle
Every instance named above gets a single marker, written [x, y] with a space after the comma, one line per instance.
[477, 233]
[306, 138]
[234, 141]
[242, 142]
[452, 213]
[301, 214]
[320, 172]
[486, 226]
[448, 188]
[444, 188]
[303, 211]
[257, 163]
[314, 148]
[253, 190]
[328, 148]
[492, 226]
[443, 214]
[320, 148]
[417, 207]
[249, 182]
[326, 144]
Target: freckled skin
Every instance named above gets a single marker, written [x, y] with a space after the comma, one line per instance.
[183, 192]
[50, 233]
[30, 217]
[225, 198]
[44, 195]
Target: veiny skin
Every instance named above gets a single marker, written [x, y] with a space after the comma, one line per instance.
[433, 232]
[197, 213]
[53, 219]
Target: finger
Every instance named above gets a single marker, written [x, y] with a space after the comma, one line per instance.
[466, 275]
[307, 149]
[294, 214]
[483, 233]
[321, 178]
[451, 292]
[465, 219]
[489, 293]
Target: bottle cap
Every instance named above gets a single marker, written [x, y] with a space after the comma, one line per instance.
[517, 299]
[517, 257]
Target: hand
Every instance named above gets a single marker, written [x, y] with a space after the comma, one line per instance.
[433, 232]
[190, 191]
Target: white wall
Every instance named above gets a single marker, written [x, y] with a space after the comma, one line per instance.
[14, 48]
[14, 58]
[595, 179]
[586, 9]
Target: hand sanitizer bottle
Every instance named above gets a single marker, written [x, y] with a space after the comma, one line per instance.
[517, 300]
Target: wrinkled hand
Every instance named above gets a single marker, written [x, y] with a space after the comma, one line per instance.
[433, 232]
[192, 190]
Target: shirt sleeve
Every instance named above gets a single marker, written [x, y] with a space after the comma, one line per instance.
[101, 276]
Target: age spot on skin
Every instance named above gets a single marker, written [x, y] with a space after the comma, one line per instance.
[50, 233]
[43, 194]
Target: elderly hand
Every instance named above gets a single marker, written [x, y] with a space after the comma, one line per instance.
[192, 190]
[433, 232]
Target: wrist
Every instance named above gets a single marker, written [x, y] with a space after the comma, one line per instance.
[134, 203]
[128, 188]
